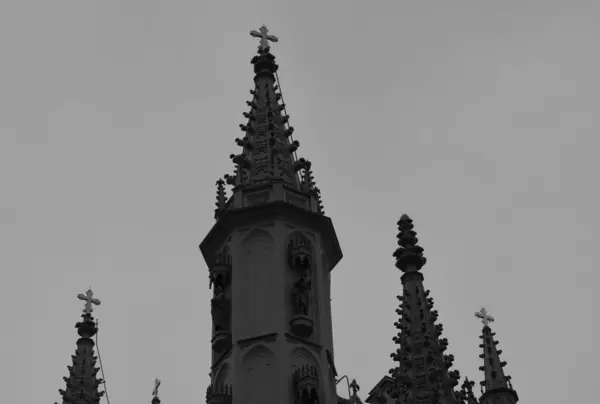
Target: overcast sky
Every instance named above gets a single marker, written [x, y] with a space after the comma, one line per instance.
[477, 118]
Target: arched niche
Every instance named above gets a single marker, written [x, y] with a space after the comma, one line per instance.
[300, 251]
[258, 375]
[306, 379]
[223, 377]
[302, 356]
[257, 238]
[256, 276]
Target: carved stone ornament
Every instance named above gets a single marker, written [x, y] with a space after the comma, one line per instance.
[221, 341]
[220, 273]
[300, 253]
[301, 295]
[221, 315]
[302, 326]
[219, 395]
[306, 383]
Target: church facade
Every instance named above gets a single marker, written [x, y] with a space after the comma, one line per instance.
[271, 250]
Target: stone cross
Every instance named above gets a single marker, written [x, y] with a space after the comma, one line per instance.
[484, 316]
[156, 385]
[89, 299]
[262, 33]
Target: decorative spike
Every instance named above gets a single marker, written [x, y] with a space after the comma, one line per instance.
[247, 129]
[230, 179]
[409, 255]
[245, 143]
[221, 198]
[299, 165]
[249, 115]
[240, 160]
[293, 147]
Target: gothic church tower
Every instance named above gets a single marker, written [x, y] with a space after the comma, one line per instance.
[269, 257]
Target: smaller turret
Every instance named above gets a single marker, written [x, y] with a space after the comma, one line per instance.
[82, 383]
[496, 388]
[423, 373]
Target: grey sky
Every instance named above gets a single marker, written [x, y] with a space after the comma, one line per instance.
[477, 118]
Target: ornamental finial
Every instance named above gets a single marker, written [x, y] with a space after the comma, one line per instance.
[484, 316]
[89, 300]
[156, 386]
[262, 33]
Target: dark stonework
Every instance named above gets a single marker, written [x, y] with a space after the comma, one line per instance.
[301, 294]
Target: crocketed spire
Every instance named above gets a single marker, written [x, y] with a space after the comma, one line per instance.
[266, 169]
[221, 198]
[82, 383]
[423, 374]
[496, 388]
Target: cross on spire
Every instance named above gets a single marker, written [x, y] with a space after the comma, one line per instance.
[89, 300]
[156, 385]
[484, 316]
[262, 33]
[354, 386]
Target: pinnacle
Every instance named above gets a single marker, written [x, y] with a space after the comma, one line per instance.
[409, 255]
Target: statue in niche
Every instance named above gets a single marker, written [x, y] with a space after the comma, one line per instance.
[221, 309]
[302, 289]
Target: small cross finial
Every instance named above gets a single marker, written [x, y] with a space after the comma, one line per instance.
[484, 316]
[262, 33]
[156, 385]
[89, 300]
[354, 386]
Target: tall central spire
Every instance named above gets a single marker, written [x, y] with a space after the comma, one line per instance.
[269, 257]
[266, 169]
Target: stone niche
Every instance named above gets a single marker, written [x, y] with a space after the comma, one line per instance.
[220, 278]
[300, 260]
[306, 386]
[257, 375]
[220, 391]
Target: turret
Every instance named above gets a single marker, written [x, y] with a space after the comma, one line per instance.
[496, 388]
[423, 374]
[82, 383]
[269, 257]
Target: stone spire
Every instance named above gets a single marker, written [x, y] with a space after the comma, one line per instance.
[496, 388]
[82, 383]
[266, 169]
[423, 374]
